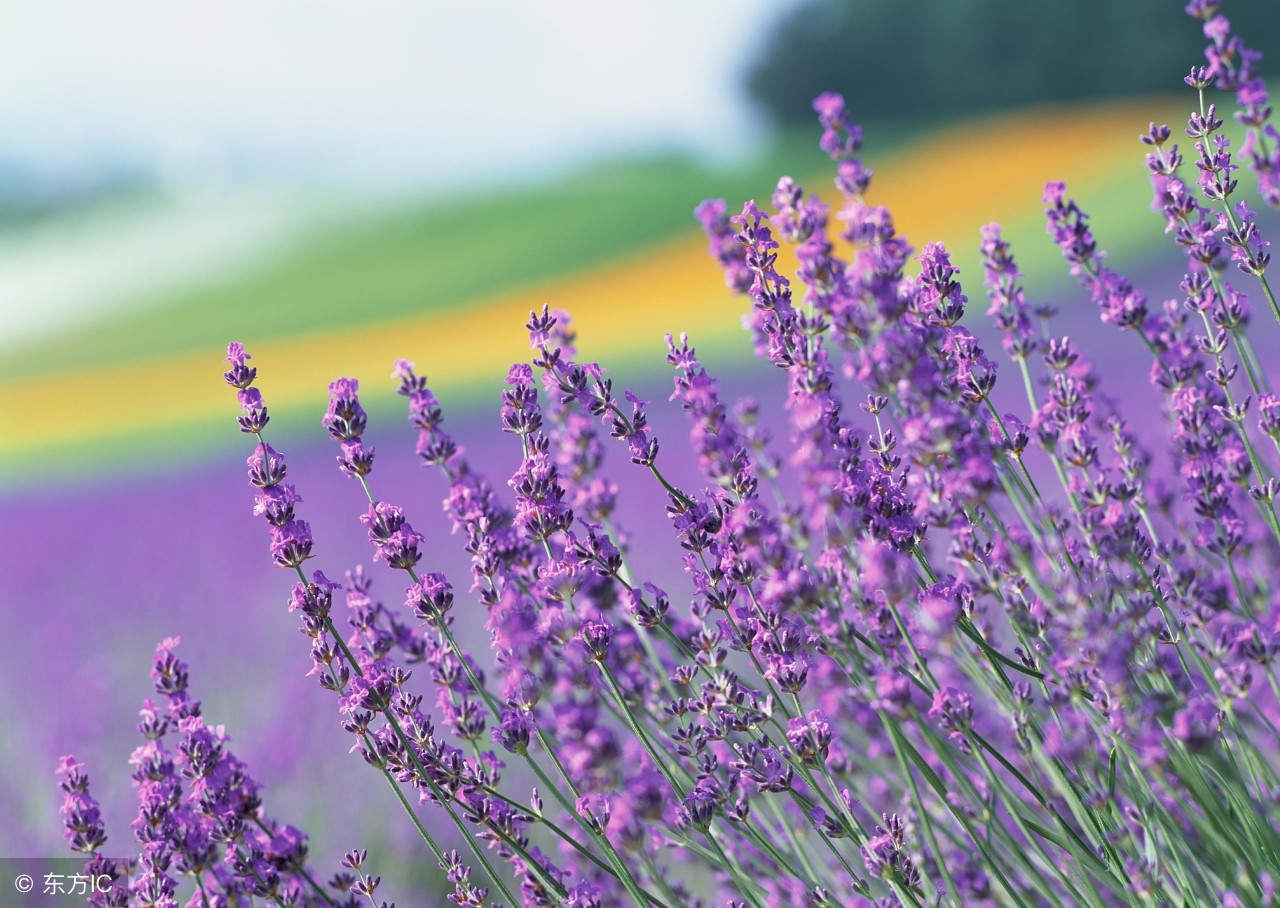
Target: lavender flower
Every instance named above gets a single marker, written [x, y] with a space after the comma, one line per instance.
[1232, 66]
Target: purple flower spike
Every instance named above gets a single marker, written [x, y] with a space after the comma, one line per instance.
[521, 414]
[953, 711]
[255, 415]
[345, 419]
[400, 548]
[698, 809]
[723, 245]
[240, 374]
[1232, 66]
[514, 731]
[430, 598]
[596, 636]
[810, 737]
[648, 610]
[1118, 300]
[314, 599]
[885, 854]
[82, 817]
[291, 543]
[276, 503]
[355, 460]
[540, 507]
[841, 137]
[435, 446]
[1008, 306]
[266, 466]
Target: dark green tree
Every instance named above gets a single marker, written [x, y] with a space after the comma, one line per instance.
[944, 58]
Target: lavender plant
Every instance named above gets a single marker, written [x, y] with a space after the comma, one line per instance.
[200, 819]
[925, 652]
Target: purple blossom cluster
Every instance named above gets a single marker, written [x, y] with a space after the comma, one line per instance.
[922, 650]
[1231, 66]
[200, 824]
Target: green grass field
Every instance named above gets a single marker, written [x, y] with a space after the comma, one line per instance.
[425, 256]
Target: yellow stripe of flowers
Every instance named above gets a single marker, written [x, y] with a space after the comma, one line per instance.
[944, 186]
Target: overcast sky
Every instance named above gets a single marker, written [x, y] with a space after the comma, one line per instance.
[364, 96]
[379, 91]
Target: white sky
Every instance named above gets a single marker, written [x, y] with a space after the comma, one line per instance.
[378, 91]
[355, 97]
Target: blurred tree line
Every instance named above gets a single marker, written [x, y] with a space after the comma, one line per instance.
[944, 58]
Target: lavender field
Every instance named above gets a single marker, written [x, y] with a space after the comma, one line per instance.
[220, 593]
[918, 572]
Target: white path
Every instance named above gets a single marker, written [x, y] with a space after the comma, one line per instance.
[55, 272]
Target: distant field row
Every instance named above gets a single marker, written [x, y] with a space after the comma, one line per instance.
[450, 286]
